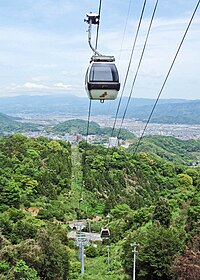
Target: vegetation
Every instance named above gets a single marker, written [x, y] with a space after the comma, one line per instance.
[150, 201]
[9, 125]
[169, 148]
[77, 126]
[140, 196]
[33, 172]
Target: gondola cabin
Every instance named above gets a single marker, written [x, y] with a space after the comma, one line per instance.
[102, 79]
[105, 233]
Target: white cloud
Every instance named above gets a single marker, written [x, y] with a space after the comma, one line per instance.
[62, 86]
[41, 89]
[31, 86]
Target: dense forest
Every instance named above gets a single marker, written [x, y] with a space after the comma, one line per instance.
[149, 199]
[33, 172]
[153, 202]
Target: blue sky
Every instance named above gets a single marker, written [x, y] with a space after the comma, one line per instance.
[44, 49]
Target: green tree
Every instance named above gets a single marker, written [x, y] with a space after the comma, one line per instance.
[10, 195]
[162, 212]
[185, 180]
[158, 247]
[23, 272]
[193, 221]
[54, 259]
[121, 210]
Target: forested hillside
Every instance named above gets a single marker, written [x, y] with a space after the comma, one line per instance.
[151, 201]
[33, 174]
[80, 126]
[10, 125]
[148, 200]
[169, 148]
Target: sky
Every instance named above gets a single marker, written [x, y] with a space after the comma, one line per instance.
[44, 46]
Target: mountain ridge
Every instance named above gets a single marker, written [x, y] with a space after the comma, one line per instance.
[172, 111]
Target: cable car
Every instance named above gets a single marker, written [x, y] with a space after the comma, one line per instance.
[105, 233]
[102, 79]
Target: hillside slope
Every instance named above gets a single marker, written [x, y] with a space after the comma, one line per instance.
[139, 197]
[10, 125]
[80, 126]
[169, 148]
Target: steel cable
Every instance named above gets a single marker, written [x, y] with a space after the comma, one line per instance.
[167, 76]
[128, 68]
[138, 67]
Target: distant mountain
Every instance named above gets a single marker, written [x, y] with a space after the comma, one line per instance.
[43, 104]
[167, 110]
[9, 124]
[187, 112]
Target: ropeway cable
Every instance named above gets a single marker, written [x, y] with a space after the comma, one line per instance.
[128, 68]
[97, 34]
[128, 12]
[138, 67]
[88, 121]
[167, 76]
[120, 51]
[90, 103]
